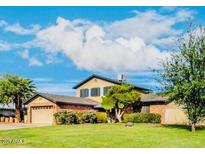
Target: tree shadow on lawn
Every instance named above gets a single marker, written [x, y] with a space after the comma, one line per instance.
[185, 127]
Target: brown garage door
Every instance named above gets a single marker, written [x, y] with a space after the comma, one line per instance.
[42, 114]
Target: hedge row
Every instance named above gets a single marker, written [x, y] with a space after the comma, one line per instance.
[70, 117]
[142, 118]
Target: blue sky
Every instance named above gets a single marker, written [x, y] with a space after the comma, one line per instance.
[57, 47]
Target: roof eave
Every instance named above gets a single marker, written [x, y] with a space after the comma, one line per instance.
[37, 94]
[109, 80]
[81, 104]
[95, 76]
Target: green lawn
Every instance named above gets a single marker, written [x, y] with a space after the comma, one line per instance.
[105, 135]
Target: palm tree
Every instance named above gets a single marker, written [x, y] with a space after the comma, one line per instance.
[15, 89]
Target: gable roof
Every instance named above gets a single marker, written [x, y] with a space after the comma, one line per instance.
[63, 99]
[106, 79]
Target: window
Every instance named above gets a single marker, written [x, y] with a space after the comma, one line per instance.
[145, 109]
[105, 90]
[95, 91]
[84, 92]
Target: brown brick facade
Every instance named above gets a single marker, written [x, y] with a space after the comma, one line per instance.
[159, 109]
[74, 107]
[39, 102]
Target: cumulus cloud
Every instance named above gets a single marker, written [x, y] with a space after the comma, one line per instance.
[91, 48]
[62, 36]
[129, 44]
[19, 30]
[33, 61]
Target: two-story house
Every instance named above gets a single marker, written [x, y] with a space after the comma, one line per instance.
[42, 106]
[95, 86]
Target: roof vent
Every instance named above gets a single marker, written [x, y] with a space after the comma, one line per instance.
[122, 78]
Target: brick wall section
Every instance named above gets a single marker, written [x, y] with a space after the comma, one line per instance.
[159, 109]
[74, 107]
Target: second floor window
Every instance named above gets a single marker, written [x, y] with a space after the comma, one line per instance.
[105, 90]
[95, 91]
[84, 92]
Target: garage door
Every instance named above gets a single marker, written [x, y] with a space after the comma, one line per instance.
[42, 114]
[175, 116]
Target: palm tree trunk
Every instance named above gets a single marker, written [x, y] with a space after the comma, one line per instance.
[17, 109]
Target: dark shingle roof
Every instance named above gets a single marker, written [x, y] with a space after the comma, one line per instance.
[152, 98]
[106, 79]
[147, 98]
[64, 99]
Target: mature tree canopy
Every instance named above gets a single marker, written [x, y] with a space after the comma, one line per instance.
[119, 97]
[184, 75]
[14, 89]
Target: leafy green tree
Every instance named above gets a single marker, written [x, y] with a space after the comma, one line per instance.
[15, 89]
[183, 77]
[119, 98]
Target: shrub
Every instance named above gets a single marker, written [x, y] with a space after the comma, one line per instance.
[155, 118]
[79, 114]
[65, 117]
[128, 118]
[101, 117]
[89, 117]
[142, 118]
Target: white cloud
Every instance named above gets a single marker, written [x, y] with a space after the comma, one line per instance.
[3, 23]
[149, 25]
[8, 46]
[33, 61]
[165, 42]
[62, 36]
[5, 46]
[24, 54]
[184, 15]
[130, 44]
[19, 30]
[90, 48]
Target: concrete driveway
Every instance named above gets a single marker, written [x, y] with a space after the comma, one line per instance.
[10, 126]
